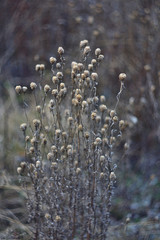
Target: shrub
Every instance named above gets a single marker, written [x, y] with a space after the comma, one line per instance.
[69, 171]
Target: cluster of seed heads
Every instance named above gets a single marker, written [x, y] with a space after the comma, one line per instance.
[69, 147]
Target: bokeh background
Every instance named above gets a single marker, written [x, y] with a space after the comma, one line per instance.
[128, 34]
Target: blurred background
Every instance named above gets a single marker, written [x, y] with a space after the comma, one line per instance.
[128, 34]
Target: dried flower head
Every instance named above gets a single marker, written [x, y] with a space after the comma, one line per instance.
[33, 85]
[97, 51]
[83, 43]
[23, 126]
[122, 76]
[86, 50]
[18, 89]
[60, 50]
[47, 88]
[52, 60]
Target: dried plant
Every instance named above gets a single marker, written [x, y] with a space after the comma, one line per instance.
[69, 172]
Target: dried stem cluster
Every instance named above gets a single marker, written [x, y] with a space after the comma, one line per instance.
[69, 148]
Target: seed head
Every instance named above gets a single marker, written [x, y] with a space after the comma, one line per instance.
[78, 171]
[93, 115]
[94, 76]
[112, 176]
[23, 127]
[18, 89]
[60, 50]
[112, 113]
[58, 218]
[38, 108]
[59, 75]
[42, 67]
[38, 164]
[36, 123]
[52, 60]
[103, 108]
[102, 98]
[55, 80]
[37, 67]
[83, 43]
[33, 85]
[50, 156]
[100, 57]
[19, 170]
[47, 88]
[122, 77]
[97, 51]
[86, 50]
[24, 89]
[55, 92]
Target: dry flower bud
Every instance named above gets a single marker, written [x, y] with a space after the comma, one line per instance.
[23, 126]
[98, 119]
[37, 67]
[47, 216]
[36, 123]
[38, 108]
[33, 140]
[102, 158]
[101, 175]
[121, 124]
[78, 171]
[90, 67]
[58, 65]
[94, 76]
[107, 120]
[54, 165]
[84, 104]
[97, 51]
[62, 85]
[79, 97]
[33, 85]
[115, 119]
[126, 146]
[147, 68]
[59, 75]
[27, 138]
[122, 76]
[24, 89]
[80, 66]
[60, 50]
[103, 130]
[55, 92]
[93, 115]
[100, 57]
[52, 60]
[58, 218]
[83, 43]
[42, 67]
[31, 150]
[103, 108]
[23, 165]
[94, 62]
[86, 135]
[47, 88]
[50, 156]
[112, 176]
[80, 127]
[86, 50]
[58, 132]
[18, 89]
[112, 113]
[19, 170]
[55, 80]
[98, 140]
[54, 149]
[38, 164]
[112, 140]
[102, 98]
